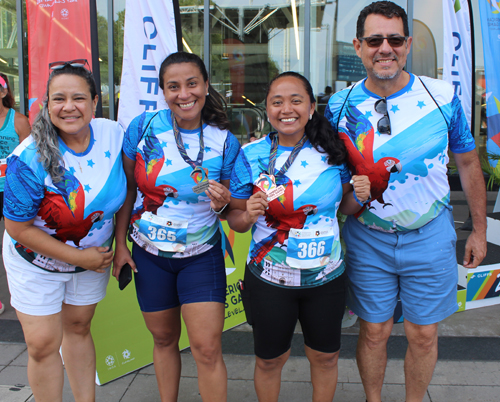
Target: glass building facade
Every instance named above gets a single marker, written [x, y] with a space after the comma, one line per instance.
[245, 43]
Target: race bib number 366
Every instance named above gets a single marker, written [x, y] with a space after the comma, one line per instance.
[166, 234]
[309, 248]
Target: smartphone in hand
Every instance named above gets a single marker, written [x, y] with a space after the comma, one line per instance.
[125, 276]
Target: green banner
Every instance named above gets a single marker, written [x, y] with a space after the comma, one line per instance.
[123, 343]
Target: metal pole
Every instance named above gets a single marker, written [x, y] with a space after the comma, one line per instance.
[307, 39]
[20, 55]
[409, 59]
[111, 59]
[95, 55]
[206, 36]
[473, 68]
[178, 26]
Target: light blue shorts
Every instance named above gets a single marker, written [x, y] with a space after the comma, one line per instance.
[418, 266]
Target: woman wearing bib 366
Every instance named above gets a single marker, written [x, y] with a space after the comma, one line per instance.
[178, 164]
[287, 187]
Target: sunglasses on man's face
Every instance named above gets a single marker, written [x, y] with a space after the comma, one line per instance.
[376, 41]
[58, 65]
[384, 124]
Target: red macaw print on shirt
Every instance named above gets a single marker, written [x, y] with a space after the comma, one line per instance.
[148, 166]
[282, 217]
[63, 210]
[358, 138]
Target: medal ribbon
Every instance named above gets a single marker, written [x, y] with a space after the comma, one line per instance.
[182, 148]
[274, 153]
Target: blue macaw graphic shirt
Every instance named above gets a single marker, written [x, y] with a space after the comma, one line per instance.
[407, 169]
[164, 180]
[79, 209]
[313, 191]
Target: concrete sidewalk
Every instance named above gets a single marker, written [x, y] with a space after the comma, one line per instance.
[456, 381]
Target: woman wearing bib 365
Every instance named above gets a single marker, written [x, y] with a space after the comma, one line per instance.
[178, 164]
[287, 187]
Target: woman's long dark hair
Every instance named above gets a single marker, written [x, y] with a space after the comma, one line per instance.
[318, 130]
[214, 111]
[8, 100]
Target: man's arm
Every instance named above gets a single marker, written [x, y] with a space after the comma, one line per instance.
[471, 177]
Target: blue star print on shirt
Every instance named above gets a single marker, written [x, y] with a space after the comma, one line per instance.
[394, 108]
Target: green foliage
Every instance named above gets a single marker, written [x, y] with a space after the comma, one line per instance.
[190, 3]
[9, 5]
[493, 172]
[102, 33]
[102, 38]
[274, 69]
[118, 46]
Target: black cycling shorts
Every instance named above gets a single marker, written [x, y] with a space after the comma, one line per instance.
[273, 312]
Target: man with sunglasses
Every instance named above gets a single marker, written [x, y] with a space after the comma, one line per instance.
[398, 128]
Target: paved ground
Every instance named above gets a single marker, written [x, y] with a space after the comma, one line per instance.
[453, 381]
[468, 368]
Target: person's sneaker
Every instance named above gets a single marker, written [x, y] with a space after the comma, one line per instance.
[2, 307]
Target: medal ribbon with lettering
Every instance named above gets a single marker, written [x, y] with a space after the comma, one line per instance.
[291, 158]
[199, 173]
[267, 182]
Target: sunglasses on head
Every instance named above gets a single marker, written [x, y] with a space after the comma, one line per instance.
[3, 81]
[376, 41]
[384, 124]
[59, 65]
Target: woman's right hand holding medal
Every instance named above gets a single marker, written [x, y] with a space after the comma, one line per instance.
[257, 205]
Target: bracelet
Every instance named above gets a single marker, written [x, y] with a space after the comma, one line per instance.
[358, 201]
[220, 210]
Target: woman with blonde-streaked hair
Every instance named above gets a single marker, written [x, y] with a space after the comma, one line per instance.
[64, 184]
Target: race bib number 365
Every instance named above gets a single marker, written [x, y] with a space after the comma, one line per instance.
[309, 248]
[166, 234]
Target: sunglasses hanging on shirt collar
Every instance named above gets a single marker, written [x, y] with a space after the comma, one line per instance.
[384, 124]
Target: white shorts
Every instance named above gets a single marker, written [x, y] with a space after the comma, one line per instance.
[35, 291]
